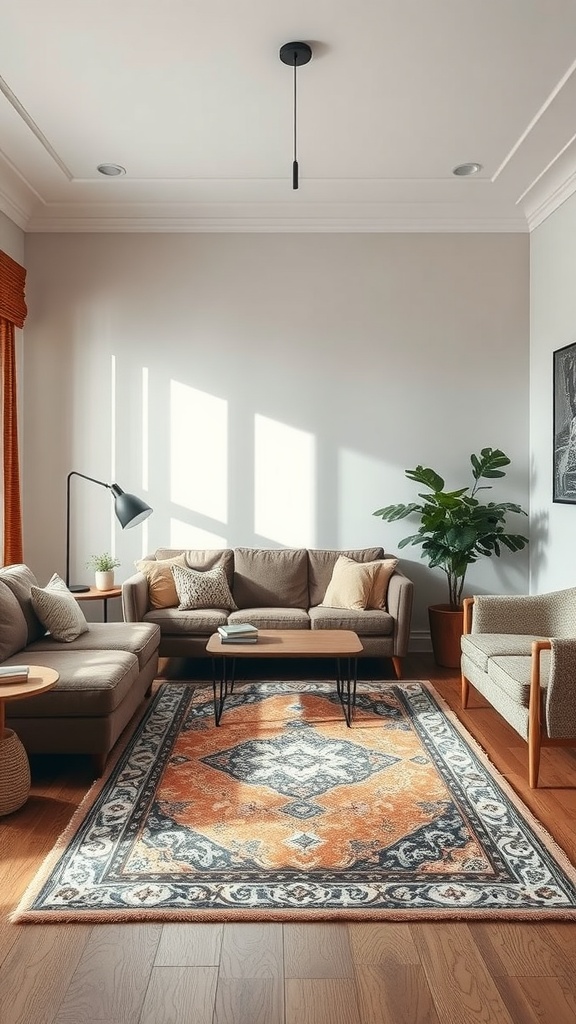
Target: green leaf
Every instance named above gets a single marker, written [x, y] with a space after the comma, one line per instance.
[392, 512]
[428, 477]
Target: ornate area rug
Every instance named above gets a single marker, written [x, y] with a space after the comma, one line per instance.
[284, 813]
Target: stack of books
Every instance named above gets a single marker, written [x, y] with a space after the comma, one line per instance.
[14, 674]
[238, 633]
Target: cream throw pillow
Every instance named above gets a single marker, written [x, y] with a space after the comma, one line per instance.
[58, 610]
[208, 589]
[384, 569]
[351, 584]
[161, 589]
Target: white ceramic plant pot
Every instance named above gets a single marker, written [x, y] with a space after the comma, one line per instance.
[105, 580]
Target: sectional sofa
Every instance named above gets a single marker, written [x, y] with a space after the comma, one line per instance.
[273, 588]
[104, 673]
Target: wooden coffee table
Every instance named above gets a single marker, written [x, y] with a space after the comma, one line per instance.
[14, 764]
[341, 644]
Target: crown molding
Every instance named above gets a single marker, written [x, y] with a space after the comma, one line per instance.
[551, 202]
[14, 211]
[206, 225]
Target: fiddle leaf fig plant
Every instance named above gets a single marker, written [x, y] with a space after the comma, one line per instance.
[456, 529]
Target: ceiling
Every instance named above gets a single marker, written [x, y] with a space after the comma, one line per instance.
[192, 100]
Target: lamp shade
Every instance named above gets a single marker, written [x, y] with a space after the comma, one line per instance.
[129, 509]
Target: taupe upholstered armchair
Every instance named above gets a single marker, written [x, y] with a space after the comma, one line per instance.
[519, 652]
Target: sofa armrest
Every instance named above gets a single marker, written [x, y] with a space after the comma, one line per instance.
[399, 606]
[561, 690]
[135, 598]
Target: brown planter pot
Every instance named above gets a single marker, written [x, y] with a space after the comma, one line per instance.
[446, 628]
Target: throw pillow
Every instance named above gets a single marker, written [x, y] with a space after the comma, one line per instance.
[161, 589]
[58, 610]
[351, 584]
[384, 569]
[207, 589]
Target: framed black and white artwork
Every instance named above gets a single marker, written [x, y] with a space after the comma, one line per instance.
[564, 430]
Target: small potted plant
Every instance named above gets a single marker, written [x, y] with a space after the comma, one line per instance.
[103, 566]
[455, 531]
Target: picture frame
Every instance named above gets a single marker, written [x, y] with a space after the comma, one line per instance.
[564, 425]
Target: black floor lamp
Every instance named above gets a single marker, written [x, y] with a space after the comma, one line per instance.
[129, 510]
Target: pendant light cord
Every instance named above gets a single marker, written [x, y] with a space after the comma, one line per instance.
[295, 161]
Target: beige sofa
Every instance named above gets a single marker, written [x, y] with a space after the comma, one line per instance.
[274, 588]
[104, 675]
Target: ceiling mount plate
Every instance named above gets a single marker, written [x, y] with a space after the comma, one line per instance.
[295, 54]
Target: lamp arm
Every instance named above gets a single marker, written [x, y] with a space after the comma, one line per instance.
[92, 480]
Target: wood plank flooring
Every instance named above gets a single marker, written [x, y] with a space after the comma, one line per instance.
[396, 973]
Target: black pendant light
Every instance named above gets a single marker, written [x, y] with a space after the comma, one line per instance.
[295, 54]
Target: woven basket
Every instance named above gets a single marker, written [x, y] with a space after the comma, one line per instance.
[14, 773]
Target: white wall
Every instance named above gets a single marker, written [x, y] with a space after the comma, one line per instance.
[553, 325]
[270, 389]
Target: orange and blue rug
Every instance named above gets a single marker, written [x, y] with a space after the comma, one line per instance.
[284, 813]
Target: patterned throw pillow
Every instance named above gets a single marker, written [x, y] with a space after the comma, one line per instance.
[207, 589]
[58, 610]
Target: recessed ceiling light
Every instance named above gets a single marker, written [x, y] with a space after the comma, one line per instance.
[111, 170]
[463, 170]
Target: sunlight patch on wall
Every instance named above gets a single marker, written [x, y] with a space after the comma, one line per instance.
[198, 451]
[284, 483]
[184, 535]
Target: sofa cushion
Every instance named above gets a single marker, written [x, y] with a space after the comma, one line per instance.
[207, 589]
[91, 683]
[139, 638]
[273, 618]
[479, 647]
[350, 585]
[372, 622]
[58, 610]
[270, 578]
[21, 579]
[512, 675]
[321, 563]
[13, 625]
[194, 622]
[161, 587]
[203, 558]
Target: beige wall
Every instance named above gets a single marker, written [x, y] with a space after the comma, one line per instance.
[553, 325]
[11, 239]
[270, 389]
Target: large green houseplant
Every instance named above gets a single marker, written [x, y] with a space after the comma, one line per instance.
[456, 529]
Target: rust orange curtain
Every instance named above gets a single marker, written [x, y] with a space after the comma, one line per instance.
[12, 315]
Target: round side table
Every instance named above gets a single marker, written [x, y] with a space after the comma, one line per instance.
[92, 594]
[14, 764]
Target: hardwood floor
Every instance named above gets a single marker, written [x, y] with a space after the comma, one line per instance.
[455, 973]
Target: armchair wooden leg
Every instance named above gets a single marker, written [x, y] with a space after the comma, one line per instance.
[533, 758]
[465, 691]
[397, 663]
